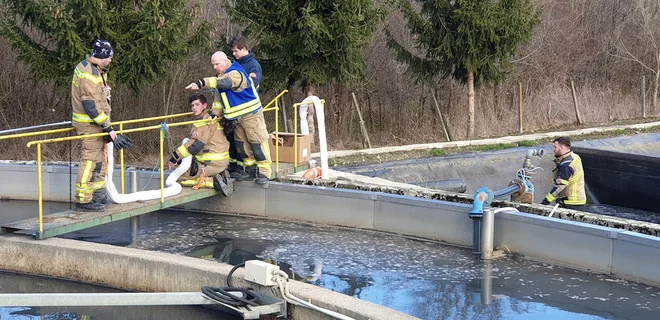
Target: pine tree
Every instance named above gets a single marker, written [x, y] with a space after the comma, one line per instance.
[469, 40]
[147, 36]
[311, 42]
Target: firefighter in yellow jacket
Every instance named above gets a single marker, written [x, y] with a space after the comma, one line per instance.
[210, 148]
[90, 101]
[569, 177]
[241, 107]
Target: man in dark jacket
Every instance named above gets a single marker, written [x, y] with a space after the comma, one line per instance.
[240, 50]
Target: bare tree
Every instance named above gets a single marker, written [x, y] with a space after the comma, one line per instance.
[638, 39]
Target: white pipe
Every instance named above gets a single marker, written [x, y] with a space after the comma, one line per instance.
[320, 119]
[553, 210]
[506, 209]
[172, 188]
[288, 296]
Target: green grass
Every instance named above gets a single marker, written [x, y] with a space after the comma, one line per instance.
[527, 143]
[438, 152]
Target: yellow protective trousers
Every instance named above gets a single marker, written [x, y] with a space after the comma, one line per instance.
[252, 142]
[92, 169]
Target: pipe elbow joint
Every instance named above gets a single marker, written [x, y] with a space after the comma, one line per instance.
[482, 197]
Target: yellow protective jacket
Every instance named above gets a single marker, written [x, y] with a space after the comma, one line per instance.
[90, 98]
[207, 141]
[569, 181]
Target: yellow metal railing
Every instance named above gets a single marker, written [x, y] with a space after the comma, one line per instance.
[120, 123]
[155, 127]
[277, 128]
[295, 131]
[121, 130]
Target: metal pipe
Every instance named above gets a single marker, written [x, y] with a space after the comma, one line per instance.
[295, 136]
[476, 235]
[121, 161]
[486, 283]
[48, 125]
[102, 134]
[506, 191]
[162, 169]
[103, 299]
[487, 233]
[277, 139]
[41, 191]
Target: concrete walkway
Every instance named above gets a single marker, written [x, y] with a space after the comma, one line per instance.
[489, 141]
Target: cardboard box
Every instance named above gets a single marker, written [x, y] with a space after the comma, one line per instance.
[286, 150]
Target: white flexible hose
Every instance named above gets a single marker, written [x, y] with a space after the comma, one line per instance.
[505, 209]
[553, 210]
[284, 289]
[320, 119]
[172, 187]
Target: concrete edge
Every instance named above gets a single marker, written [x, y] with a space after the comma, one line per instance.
[141, 270]
[641, 227]
[505, 139]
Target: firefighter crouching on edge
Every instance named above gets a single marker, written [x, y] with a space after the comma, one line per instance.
[210, 149]
[569, 177]
[90, 101]
[241, 107]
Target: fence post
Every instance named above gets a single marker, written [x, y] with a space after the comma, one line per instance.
[643, 96]
[520, 107]
[577, 112]
[362, 126]
[442, 121]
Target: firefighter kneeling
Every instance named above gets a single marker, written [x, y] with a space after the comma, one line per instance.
[210, 150]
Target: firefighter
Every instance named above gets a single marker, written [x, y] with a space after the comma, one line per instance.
[568, 190]
[90, 101]
[246, 59]
[239, 101]
[209, 147]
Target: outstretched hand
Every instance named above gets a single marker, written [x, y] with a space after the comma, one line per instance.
[193, 86]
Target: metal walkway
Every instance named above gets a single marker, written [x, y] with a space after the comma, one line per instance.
[68, 221]
[59, 223]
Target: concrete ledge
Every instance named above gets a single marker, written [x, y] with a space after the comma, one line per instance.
[139, 270]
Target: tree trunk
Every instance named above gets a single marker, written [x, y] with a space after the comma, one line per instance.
[470, 87]
[657, 83]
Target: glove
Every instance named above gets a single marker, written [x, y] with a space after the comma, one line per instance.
[545, 201]
[228, 126]
[123, 142]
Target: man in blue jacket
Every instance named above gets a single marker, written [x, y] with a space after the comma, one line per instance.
[240, 50]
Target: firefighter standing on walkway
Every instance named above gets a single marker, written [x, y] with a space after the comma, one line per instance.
[90, 101]
[569, 177]
[240, 102]
[210, 148]
[246, 59]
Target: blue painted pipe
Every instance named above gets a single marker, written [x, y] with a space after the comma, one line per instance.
[483, 196]
[506, 191]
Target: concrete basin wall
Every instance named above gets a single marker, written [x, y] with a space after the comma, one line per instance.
[148, 271]
[626, 254]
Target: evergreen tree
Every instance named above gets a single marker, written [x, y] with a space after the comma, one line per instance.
[53, 36]
[469, 40]
[310, 42]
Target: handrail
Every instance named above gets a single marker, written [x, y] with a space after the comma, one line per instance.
[295, 131]
[30, 134]
[274, 100]
[162, 170]
[123, 131]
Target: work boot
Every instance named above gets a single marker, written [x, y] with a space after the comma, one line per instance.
[90, 207]
[250, 174]
[261, 179]
[222, 182]
[100, 196]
